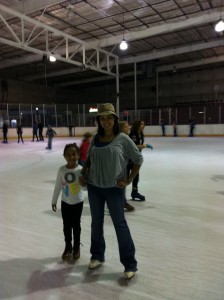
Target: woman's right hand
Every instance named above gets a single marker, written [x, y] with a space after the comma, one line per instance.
[122, 183]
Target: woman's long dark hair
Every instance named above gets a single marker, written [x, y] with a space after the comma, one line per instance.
[136, 125]
[101, 131]
[135, 129]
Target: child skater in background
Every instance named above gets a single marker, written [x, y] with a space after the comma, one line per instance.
[50, 133]
[84, 147]
[72, 197]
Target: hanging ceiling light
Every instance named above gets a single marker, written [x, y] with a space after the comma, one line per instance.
[219, 27]
[52, 58]
[123, 44]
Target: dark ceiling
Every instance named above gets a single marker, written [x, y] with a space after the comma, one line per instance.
[163, 35]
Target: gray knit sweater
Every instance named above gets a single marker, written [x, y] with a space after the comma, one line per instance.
[108, 163]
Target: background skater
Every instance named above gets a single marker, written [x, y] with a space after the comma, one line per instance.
[50, 133]
[137, 135]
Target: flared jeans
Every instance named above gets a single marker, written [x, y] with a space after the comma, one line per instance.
[114, 197]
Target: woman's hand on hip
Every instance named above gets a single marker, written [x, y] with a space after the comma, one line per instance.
[121, 183]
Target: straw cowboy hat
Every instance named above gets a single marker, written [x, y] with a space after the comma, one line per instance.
[105, 109]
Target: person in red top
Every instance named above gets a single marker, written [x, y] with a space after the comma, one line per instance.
[84, 147]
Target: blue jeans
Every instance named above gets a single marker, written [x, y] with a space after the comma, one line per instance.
[114, 197]
[49, 144]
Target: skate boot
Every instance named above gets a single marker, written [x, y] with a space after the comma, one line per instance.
[76, 251]
[128, 207]
[67, 254]
[136, 196]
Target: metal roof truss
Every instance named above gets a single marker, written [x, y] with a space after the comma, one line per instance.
[33, 36]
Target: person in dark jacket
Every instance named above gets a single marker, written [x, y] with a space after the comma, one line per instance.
[19, 131]
[35, 127]
[137, 136]
[163, 127]
[5, 132]
[192, 126]
[40, 131]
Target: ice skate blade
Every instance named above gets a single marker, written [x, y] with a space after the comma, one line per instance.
[135, 199]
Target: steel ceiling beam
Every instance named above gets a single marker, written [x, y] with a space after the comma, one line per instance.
[212, 16]
[191, 64]
[172, 51]
[161, 69]
[145, 57]
[32, 31]
[153, 31]
[207, 18]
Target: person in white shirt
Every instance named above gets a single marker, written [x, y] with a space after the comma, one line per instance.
[72, 196]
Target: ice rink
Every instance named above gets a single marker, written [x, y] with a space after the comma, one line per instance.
[178, 231]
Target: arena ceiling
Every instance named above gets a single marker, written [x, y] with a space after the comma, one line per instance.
[166, 35]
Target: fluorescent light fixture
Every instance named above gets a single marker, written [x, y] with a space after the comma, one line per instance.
[219, 27]
[123, 45]
[52, 58]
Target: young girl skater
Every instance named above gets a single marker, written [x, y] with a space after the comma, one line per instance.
[84, 147]
[72, 197]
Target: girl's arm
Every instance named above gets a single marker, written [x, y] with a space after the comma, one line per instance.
[57, 191]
